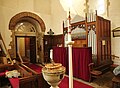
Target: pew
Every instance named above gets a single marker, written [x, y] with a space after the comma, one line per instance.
[28, 77]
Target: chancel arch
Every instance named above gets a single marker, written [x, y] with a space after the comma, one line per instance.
[27, 36]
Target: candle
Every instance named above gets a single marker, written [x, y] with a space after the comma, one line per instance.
[51, 54]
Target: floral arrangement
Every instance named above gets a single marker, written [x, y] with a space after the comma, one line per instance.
[13, 73]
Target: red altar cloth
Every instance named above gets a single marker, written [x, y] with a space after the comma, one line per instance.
[81, 57]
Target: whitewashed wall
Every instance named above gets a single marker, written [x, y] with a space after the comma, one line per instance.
[59, 14]
[114, 16]
[53, 15]
[9, 8]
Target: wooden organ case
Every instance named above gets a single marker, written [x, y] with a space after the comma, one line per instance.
[96, 33]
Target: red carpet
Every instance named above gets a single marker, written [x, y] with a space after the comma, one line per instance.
[65, 82]
[35, 67]
[76, 84]
[14, 82]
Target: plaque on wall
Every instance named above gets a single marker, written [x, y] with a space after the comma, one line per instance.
[116, 32]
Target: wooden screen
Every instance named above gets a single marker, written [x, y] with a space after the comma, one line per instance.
[100, 38]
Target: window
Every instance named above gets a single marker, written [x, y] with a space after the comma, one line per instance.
[24, 27]
[101, 7]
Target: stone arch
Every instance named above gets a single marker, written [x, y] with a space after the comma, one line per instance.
[15, 19]
[34, 19]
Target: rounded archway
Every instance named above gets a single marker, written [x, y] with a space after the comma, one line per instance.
[27, 25]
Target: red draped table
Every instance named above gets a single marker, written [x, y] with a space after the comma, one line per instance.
[81, 57]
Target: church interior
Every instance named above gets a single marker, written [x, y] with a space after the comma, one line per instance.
[59, 44]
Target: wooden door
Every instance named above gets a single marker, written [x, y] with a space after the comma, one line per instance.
[33, 49]
[26, 46]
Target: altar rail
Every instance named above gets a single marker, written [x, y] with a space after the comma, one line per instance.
[81, 57]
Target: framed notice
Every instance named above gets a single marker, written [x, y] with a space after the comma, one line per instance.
[116, 32]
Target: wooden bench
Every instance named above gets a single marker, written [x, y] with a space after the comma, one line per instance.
[116, 82]
[93, 73]
[107, 65]
[96, 72]
[3, 69]
[113, 65]
[104, 67]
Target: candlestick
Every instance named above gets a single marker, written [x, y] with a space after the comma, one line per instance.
[70, 42]
[51, 54]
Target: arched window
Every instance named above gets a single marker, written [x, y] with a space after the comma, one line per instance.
[24, 27]
[101, 7]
